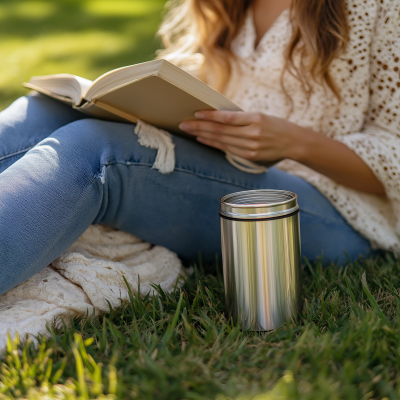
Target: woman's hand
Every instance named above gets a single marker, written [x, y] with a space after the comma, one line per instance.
[260, 137]
[253, 136]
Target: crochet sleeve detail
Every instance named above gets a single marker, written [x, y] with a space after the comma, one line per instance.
[378, 143]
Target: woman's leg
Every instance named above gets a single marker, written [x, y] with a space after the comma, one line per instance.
[181, 209]
[92, 171]
[28, 121]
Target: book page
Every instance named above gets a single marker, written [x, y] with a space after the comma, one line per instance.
[85, 85]
[64, 85]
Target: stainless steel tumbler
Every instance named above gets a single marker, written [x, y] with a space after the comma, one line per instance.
[261, 257]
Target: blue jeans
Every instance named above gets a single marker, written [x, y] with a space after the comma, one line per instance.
[61, 171]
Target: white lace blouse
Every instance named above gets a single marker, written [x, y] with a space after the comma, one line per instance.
[367, 119]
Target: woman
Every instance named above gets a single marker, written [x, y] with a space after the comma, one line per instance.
[319, 80]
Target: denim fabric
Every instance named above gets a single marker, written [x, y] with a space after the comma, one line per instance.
[61, 171]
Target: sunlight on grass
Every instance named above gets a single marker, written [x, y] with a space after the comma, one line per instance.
[64, 52]
[120, 7]
[29, 9]
[85, 38]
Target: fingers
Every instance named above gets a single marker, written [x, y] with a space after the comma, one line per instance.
[240, 133]
[197, 127]
[230, 117]
[230, 140]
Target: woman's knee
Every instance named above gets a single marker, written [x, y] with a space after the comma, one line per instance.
[78, 146]
[83, 135]
[86, 138]
[108, 142]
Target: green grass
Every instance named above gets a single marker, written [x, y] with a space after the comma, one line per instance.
[81, 37]
[344, 345]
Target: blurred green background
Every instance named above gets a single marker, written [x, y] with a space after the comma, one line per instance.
[81, 37]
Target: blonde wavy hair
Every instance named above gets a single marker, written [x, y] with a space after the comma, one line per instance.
[199, 33]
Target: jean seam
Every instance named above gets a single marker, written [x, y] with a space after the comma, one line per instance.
[128, 163]
[213, 178]
[15, 153]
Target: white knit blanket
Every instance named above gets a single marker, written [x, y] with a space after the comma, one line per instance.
[83, 278]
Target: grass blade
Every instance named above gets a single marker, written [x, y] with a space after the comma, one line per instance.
[371, 299]
[170, 330]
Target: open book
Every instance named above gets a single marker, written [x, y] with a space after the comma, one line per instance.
[155, 92]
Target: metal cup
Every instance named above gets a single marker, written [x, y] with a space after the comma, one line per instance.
[260, 233]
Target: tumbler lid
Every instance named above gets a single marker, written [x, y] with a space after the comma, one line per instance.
[258, 204]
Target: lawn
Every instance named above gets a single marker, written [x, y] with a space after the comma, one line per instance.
[81, 37]
[345, 343]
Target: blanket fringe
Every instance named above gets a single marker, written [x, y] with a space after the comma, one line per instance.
[157, 139]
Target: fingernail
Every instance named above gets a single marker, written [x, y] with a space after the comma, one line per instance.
[184, 125]
[199, 115]
[200, 139]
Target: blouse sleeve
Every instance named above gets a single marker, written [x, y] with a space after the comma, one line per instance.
[378, 143]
